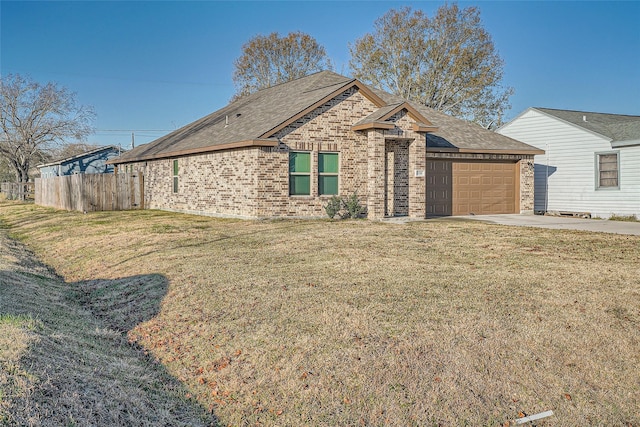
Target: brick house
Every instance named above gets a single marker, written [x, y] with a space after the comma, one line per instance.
[285, 150]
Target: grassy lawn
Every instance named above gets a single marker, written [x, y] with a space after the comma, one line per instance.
[349, 322]
[60, 365]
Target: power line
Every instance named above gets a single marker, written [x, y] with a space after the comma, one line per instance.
[134, 130]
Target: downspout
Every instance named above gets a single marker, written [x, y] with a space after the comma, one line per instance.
[546, 181]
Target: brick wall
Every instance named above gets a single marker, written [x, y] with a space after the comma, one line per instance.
[416, 162]
[222, 182]
[326, 129]
[526, 184]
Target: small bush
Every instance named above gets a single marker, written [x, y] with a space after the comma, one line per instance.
[353, 207]
[345, 207]
[629, 218]
[332, 208]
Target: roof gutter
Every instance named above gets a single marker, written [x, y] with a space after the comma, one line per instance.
[484, 151]
[629, 143]
[199, 150]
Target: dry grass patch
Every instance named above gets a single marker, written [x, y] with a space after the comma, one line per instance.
[365, 323]
[627, 218]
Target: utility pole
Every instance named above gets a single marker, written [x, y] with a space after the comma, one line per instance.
[133, 141]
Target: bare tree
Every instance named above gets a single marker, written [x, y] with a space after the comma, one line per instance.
[34, 118]
[6, 171]
[270, 60]
[69, 150]
[448, 62]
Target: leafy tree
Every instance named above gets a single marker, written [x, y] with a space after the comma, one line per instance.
[270, 60]
[35, 118]
[448, 62]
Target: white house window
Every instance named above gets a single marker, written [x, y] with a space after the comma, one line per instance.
[608, 170]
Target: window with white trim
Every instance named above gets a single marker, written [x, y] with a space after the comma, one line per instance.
[607, 170]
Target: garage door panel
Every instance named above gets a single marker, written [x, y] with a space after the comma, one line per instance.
[471, 187]
[439, 187]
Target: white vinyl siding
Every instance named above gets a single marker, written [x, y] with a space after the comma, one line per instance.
[571, 169]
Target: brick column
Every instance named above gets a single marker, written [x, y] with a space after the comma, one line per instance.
[417, 184]
[526, 167]
[375, 174]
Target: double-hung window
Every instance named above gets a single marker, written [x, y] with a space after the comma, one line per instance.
[175, 176]
[299, 173]
[328, 173]
[607, 165]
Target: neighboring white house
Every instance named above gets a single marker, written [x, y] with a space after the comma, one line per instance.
[591, 161]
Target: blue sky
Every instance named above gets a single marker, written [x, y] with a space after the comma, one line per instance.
[150, 67]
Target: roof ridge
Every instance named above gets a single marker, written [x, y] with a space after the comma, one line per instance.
[317, 77]
[585, 112]
[287, 82]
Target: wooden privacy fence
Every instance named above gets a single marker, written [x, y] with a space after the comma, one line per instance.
[91, 192]
[18, 190]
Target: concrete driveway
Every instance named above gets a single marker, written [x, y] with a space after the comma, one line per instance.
[561, 223]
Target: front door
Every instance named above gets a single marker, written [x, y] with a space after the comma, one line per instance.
[397, 178]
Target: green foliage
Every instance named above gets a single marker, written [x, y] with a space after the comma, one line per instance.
[332, 208]
[19, 320]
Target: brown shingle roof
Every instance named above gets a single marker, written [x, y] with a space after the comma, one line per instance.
[251, 120]
[245, 119]
[456, 134]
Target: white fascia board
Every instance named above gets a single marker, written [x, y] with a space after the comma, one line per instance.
[629, 143]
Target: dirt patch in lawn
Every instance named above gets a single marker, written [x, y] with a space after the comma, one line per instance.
[363, 323]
